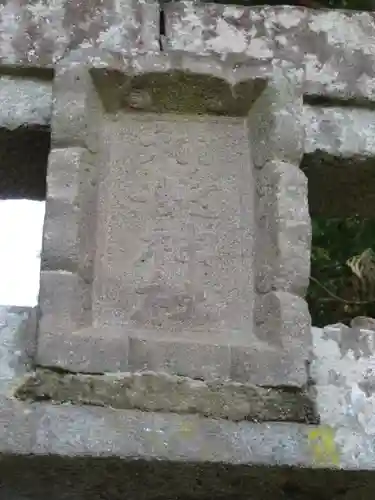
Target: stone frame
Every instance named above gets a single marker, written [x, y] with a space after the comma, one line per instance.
[278, 349]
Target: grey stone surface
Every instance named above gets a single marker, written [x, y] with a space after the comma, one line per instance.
[17, 344]
[342, 371]
[149, 233]
[157, 392]
[340, 131]
[24, 102]
[35, 33]
[257, 40]
[334, 46]
[107, 452]
[74, 431]
[234, 59]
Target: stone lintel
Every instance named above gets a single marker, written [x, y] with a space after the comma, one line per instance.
[57, 28]
[263, 34]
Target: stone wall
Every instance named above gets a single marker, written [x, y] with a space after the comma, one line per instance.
[338, 71]
[177, 233]
[219, 451]
[149, 237]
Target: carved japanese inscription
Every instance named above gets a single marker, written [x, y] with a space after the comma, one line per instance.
[176, 210]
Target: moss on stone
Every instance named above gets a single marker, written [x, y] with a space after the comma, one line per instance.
[150, 391]
[176, 91]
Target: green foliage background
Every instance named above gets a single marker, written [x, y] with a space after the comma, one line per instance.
[334, 242]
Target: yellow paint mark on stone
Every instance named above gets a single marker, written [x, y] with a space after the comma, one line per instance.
[187, 429]
[323, 446]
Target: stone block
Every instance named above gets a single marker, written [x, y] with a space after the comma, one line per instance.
[199, 359]
[285, 368]
[70, 212]
[25, 102]
[54, 29]
[233, 30]
[60, 250]
[343, 373]
[72, 118]
[161, 180]
[276, 126]
[63, 173]
[334, 46]
[18, 344]
[93, 350]
[283, 320]
[284, 229]
[14, 417]
[143, 452]
[157, 392]
[62, 304]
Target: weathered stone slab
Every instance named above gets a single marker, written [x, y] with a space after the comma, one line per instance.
[18, 343]
[343, 371]
[334, 46]
[345, 438]
[152, 214]
[344, 132]
[38, 33]
[25, 102]
[154, 392]
[73, 431]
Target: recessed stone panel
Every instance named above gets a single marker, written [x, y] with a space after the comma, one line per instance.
[177, 204]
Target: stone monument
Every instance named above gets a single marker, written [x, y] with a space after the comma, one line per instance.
[171, 347]
[177, 241]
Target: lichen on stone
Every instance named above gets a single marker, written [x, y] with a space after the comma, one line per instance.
[149, 391]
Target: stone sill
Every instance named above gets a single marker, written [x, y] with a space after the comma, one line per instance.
[70, 431]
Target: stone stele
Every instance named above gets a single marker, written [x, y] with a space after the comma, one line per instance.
[177, 232]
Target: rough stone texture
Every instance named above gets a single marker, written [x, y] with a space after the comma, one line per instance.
[329, 54]
[65, 430]
[339, 146]
[155, 392]
[340, 131]
[25, 102]
[343, 371]
[284, 232]
[336, 66]
[149, 233]
[334, 46]
[17, 344]
[104, 451]
[38, 33]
